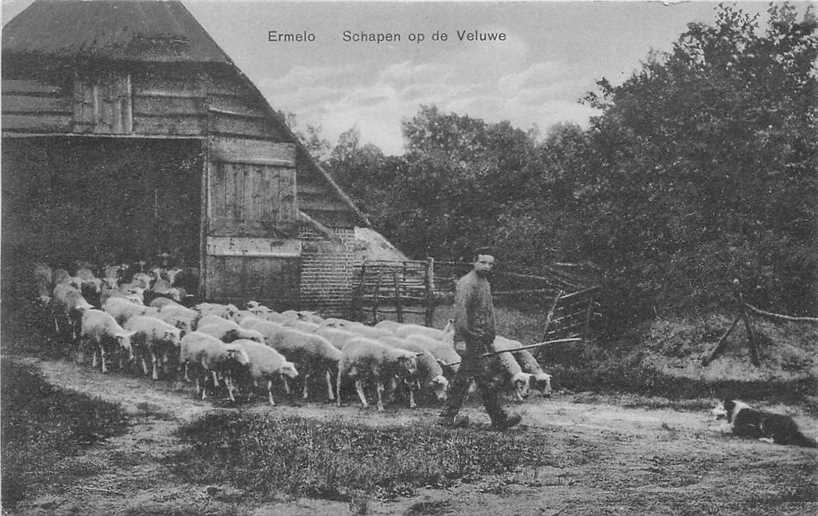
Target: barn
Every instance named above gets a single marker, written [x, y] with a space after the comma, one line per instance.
[128, 132]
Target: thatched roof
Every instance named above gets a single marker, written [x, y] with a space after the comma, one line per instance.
[145, 31]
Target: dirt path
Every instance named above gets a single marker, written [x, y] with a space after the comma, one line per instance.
[633, 461]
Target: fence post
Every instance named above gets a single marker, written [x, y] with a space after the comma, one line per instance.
[548, 319]
[428, 283]
[743, 314]
[398, 307]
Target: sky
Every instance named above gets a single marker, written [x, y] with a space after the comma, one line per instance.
[552, 54]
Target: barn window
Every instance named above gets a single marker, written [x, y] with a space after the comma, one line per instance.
[103, 105]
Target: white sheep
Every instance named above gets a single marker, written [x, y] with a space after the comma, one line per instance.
[336, 336]
[540, 380]
[511, 370]
[227, 331]
[357, 328]
[257, 308]
[68, 304]
[228, 311]
[122, 309]
[311, 353]
[98, 330]
[159, 302]
[265, 363]
[305, 326]
[430, 373]
[447, 333]
[154, 337]
[367, 359]
[443, 351]
[213, 357]
[183, 318]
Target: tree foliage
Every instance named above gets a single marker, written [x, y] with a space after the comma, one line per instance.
[700, 168]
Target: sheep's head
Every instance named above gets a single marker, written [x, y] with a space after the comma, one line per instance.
[542, 383]
[238, 355]
[173, 336]
[288, 370]
[184, 326]
[231, 312]
[440, 386]
[123, 339]
[42, 301]
[522, 385]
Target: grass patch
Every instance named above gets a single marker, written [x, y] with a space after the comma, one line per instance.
[337, 460]
[41, 425]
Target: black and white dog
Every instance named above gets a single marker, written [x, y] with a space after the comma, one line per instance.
[746, 421]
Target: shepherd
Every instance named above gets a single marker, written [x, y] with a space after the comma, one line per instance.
[474, 336]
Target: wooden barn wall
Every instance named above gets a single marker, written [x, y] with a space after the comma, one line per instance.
[327, 271]
[257, 195]
[151, 101]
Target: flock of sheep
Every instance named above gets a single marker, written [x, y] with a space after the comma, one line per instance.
[124, 318]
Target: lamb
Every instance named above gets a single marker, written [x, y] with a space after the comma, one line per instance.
[311, 353]
[444, 352]
[99, 329]
[201, 351]
[155, 337]
[265, 363]
[367, 359]
[227, 331]
[540, 380]
[511, 370]
[430, 373]
[122, 309]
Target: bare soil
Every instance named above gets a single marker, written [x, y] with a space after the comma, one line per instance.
[634, 460]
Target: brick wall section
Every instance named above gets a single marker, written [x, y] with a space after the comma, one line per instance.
[327, 270]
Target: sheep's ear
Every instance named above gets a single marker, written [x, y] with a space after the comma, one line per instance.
[418, 354]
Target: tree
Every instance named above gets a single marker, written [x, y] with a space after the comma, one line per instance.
[708, 167]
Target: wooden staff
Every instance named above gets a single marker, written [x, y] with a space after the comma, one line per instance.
[530, 346]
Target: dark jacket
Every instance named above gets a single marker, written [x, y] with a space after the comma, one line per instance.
[473, 309]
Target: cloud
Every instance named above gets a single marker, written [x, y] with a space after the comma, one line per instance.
[493, 81]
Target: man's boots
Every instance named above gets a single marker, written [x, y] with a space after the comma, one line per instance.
[506, 422]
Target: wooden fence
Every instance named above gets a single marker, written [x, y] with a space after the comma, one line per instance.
[412, 289]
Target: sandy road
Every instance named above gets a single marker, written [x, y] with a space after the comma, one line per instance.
[618, 460]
